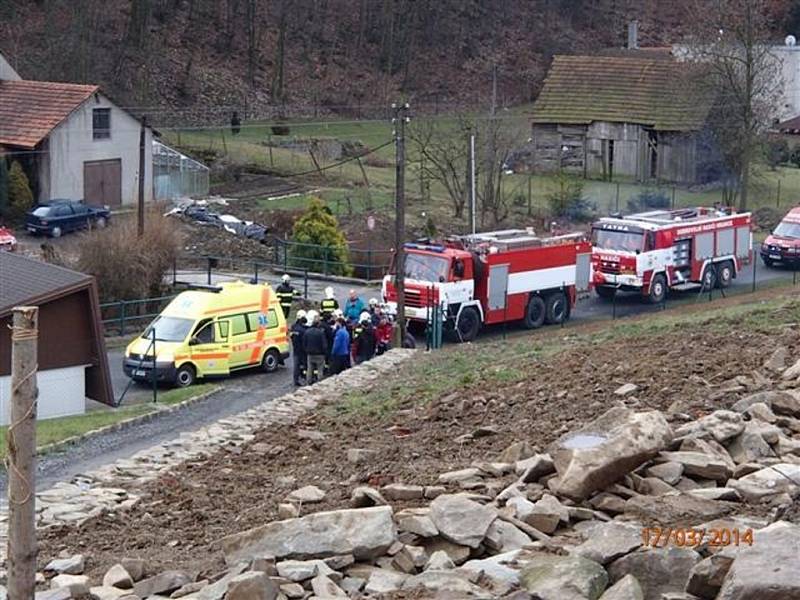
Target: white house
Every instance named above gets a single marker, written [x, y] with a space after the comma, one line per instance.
[74, 140]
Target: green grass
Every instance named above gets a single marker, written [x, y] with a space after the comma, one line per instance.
[52, 431]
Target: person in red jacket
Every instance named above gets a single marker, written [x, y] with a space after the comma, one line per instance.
[383, 333]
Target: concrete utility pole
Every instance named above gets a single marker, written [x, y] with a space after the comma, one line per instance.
[142, 138]
[400, 119]
[21, 451]
[473, 215]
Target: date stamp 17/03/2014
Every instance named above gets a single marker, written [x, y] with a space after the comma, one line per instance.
[658, 537]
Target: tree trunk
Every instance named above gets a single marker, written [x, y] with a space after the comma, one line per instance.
[280, 55]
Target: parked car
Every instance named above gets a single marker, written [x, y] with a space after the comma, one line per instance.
[57, 217]
[782, 246]
[7, 240]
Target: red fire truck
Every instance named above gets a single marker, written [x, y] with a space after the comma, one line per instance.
[493, 277]
[681, 249]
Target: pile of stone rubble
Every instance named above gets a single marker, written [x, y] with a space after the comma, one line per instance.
[635, 505]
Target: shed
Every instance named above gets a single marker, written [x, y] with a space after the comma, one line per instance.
[71, 350]
[635, 115]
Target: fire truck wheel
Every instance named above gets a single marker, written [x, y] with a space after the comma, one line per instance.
[724, 274]
[557, 308]
[535, 312]
[709, 277]
[605, 292]
[658, 289]
[767, 262]
[468, 325]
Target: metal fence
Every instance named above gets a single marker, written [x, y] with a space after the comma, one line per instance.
[122, 316]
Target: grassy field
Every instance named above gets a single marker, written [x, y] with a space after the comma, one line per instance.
[52, 431]
[775, 188]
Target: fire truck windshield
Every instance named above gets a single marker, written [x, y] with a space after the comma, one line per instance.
[620, 241]
[788, 230]
[425, 267]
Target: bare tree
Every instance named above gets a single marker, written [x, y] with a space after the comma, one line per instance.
[731, 41]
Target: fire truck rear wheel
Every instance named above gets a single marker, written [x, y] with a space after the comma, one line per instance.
[658, 289]
[709, 277]
[557, 308]
[535, 312]
[724, 274]
[469, 323]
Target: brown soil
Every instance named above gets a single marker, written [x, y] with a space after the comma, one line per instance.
[185, 513]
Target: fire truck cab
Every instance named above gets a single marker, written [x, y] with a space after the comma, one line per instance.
[492, 277]
[653, 252]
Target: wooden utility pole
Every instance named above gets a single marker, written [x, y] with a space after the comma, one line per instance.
[21, 452]
[142, 139]
[400, 119]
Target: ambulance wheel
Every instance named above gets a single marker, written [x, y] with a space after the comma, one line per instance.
[658, 289]
[535, 313]
[605, 292]
[557, 308]
[709, 277]
[271, 360]
[185, 376]
[724, 274]
[469, 323]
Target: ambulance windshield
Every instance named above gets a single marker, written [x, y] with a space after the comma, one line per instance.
[619, 241]
[169, 329]
[788, 229]
[425, 267]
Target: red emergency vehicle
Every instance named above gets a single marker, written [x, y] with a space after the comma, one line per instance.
[493, 277]
[680, 249]
[782, 246]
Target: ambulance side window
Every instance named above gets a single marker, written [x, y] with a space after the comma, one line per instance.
[238, 325]
[223, 330]
[254, 320]
[272, 318]
[204, 333]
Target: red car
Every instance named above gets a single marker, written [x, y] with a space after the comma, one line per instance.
[782, 247]
[7, 240]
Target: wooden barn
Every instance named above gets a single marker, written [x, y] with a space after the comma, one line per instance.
[631, 116]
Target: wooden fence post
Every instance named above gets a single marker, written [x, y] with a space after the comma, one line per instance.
[21, 455]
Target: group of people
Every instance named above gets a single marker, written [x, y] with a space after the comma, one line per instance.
[328, 341]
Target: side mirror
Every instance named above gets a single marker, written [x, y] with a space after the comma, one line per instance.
[442, 279]
[193, 341]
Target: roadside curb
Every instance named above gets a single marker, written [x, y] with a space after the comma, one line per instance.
[126, 423]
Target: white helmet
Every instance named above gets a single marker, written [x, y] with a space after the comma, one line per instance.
[373, 302]
[312, 316]
[338, 313]
[285, 278]
[329, 292]
[301, 314]
[364, 318]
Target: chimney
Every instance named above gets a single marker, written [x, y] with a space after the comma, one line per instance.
[633, 35]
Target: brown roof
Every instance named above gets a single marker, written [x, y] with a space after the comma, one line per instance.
[621, 89]
[790, 125]
[27, 281]
[29, 110]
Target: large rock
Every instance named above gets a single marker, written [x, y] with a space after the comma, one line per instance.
[252, 586]
[78, 585]
[668, 472]
[749, 446]
[721, 425]
[135, 567]
[324, 587]
[677, 508]
[626, 588]
[416, 521]
[163, 583]
[792, 372]
[707, 576]
[118, 577]
[456, 552]
[658, 570]
[365, 533]
[302, 570]
[698, 464]
[307, 495]
[533, 468]
[777, 479]
[607, 449]
[766, 397]
[550, 577]
[786, 404]
[496, 567]
[461, 520]
[73, 565]
[453, 583]
[606, 542]
[108, 593]
[767, 570]
[505, 537]
[546, 514]
[384, 581]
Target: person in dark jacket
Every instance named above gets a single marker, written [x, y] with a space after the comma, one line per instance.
[340, 354]
[327, 327]
[315, 347]
[329, 304]
[286, 294]
[298, 353]
[365, 342]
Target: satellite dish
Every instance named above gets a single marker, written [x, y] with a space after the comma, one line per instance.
[790, 41]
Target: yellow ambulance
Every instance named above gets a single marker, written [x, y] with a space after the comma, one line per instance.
[211, 332]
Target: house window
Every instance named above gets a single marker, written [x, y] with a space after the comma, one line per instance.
[101, 123]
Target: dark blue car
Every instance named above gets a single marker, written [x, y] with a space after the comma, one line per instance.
[56, 217]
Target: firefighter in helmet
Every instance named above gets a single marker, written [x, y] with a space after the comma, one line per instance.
[328, 304]
[286, 294]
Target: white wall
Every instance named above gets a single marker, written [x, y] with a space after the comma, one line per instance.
[62, 392]
[72, 143]
[7, 71]
[789, 102]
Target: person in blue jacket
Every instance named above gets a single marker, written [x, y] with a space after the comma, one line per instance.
[353, 307]
[340, 354]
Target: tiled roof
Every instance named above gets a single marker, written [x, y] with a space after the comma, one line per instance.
[27, 281]
[29, 110]
[790, 125]
[621, 89]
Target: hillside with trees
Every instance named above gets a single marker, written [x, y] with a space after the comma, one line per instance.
[273, 58]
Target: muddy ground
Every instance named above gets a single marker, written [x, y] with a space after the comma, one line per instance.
[536, 398]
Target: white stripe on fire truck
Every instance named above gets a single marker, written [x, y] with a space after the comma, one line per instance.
[541, 279]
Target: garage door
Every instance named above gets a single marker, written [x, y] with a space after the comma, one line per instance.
[102, 182]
